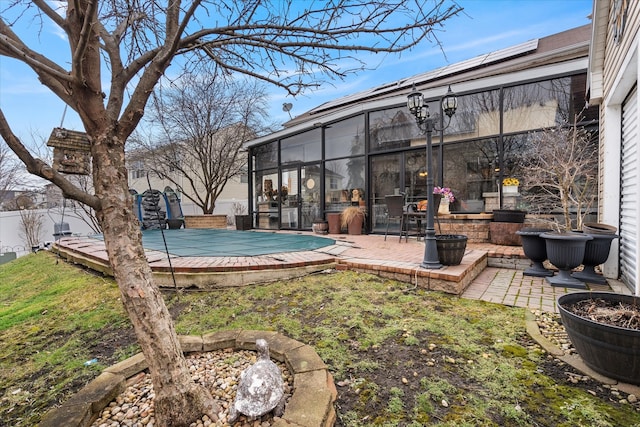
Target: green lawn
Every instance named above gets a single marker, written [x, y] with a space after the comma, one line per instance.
[400, 356]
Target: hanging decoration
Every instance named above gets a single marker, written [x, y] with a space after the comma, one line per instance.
[71, 151]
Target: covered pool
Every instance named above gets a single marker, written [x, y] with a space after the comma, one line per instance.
[205, 242]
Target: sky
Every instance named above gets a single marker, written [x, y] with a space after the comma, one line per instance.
[484, 26]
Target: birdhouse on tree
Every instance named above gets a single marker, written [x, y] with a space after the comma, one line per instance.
[71, 151]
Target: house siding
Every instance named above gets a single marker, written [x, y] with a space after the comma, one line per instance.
[614, 65]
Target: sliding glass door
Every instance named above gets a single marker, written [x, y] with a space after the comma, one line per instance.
[397, 173]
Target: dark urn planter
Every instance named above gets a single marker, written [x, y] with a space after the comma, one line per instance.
[451, 248]
[535, 248]
[597, 228]
[175, 223]
[509, 215]
[243, 222]
[565, 251]
[609, 350]
[596, 252]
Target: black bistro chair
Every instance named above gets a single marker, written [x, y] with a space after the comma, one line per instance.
[395, 210]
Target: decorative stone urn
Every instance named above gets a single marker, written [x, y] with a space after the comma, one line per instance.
[535, 248]
[596, 252]
[566, 251]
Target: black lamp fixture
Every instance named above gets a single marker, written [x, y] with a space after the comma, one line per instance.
[426, 123]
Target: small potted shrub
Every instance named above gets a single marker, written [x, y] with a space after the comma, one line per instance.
[561, 170]
[352, 218]
[243, 221]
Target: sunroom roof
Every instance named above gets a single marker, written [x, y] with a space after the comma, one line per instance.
[439, 73]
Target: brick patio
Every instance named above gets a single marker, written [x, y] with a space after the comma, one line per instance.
[488, 272]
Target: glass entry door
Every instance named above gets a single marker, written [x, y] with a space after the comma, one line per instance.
[289, 198]
[393, 174]
[309, 195]
[300, 196]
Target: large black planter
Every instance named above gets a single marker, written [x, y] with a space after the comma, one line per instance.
[597, 228]
[451, 248]
[535, 248]
[175, 223]
[596, 252]
[565, 251]
[243, 222]
[609, 350]
[509, 215]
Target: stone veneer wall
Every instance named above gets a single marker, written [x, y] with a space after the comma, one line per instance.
[474, 226]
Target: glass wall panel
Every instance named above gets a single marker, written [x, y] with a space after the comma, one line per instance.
[344, 183]
[537, 105]
[265, 185]
[415, 176]
[470, 171]
[514, 147]
[265, 156]
[304, 147]
[310, 195]
[345, 138]
[478, 115]
[288, 198]
[537, 199]
[476, 157]
[391, 128]
[385, 180]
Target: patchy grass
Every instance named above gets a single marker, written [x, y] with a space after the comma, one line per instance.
[400, 356]
[53, 318]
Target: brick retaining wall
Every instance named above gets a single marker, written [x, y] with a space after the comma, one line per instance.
[205, 221]
[477, 227]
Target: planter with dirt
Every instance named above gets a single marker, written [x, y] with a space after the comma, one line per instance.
[604, 328]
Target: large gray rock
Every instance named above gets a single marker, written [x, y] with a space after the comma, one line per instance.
[261, 388]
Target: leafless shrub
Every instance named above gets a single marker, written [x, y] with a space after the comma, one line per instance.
[238, 208]
[31, 227]
[560, 168]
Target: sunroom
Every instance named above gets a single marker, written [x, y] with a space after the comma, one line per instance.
[358, 149]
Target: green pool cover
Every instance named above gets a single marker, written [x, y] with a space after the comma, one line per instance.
[190, 242]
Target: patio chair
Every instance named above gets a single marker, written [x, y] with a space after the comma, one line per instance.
[395, 210]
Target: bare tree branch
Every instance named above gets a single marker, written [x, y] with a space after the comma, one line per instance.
[43, 170]
[292, 44]
[560, 168]
[9, 171]
[204, 121]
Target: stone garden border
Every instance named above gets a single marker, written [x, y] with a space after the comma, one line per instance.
[572, 359]
[311, 404]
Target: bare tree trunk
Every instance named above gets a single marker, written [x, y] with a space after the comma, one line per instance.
[131, 45]
[179, 401]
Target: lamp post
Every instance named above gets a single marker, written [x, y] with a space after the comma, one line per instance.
[426, 123]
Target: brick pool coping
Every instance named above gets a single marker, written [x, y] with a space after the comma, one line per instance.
[311, 404]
